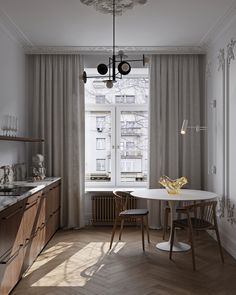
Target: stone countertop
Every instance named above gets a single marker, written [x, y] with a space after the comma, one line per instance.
[7, 201]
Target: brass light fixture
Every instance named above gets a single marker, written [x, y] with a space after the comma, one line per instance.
[114, 72]
[185, 126]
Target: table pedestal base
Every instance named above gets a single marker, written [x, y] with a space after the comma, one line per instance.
[177, 247]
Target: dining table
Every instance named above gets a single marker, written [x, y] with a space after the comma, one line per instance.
[186, 195]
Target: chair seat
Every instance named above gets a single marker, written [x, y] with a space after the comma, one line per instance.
[178, 209]
[196, 223]
[134, 212]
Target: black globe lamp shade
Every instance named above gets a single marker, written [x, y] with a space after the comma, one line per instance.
[124, 68]
[102, 69]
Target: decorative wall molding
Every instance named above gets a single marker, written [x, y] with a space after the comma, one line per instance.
[230, 51]
[106, 6]
[208, 70]
[88, 50]
[230, 212]
[13, 30]
[221, 59]
[226, 207]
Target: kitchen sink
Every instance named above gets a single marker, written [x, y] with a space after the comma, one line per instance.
[14, 190]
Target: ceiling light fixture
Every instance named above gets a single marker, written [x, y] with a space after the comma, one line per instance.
[185, 126]
[123, 67]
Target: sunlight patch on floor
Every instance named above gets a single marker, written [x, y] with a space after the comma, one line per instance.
[70, 266]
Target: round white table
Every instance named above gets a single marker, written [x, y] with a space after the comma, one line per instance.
[184, 195]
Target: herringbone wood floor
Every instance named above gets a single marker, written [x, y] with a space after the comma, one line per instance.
[78, 262]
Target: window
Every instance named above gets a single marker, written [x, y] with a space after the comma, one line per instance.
[100, 99]
[125, 99]
[116, 134]
[100, 123]
[100, 164]
[100, 143]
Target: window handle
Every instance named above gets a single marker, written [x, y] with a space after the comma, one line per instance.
[118, 147]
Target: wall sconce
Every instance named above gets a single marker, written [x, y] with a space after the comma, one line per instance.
[185, 126]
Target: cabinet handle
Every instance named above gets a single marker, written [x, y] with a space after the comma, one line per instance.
[12, 214]
[12, 256]
[31, 204]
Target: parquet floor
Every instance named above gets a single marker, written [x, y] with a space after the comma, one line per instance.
[78, 262]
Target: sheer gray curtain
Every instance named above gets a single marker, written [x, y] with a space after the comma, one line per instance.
[176, 93]
[56, 97]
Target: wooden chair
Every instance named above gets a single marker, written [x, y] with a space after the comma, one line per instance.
[166, 227]
[122, 213]
[166, 218]
[205, 220]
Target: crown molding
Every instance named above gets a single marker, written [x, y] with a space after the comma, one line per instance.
[88, 50]
[219, 27]
[12, 30]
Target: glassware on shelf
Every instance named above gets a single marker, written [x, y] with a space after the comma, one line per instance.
[172, 186]
[9, 125]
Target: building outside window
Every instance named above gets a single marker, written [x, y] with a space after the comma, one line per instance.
[100, 143]
[100, 164]
[119, 157]
[100, 99]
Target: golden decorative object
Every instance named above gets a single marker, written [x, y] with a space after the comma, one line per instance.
[172, 186]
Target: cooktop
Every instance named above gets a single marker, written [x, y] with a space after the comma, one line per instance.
[14, 190]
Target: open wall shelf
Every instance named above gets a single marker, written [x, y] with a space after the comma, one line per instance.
[24, 139]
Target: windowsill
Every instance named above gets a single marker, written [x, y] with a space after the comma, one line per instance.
[110, 189]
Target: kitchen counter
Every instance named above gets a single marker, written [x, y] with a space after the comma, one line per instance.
[6, 200]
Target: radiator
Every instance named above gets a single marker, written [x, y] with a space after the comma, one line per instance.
[103, 209]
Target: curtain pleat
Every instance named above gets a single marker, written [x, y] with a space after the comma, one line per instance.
[175, 91]
[57, 115]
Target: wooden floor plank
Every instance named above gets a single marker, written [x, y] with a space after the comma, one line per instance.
[79, 262]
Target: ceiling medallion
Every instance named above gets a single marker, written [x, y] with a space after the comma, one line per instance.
[105, 6]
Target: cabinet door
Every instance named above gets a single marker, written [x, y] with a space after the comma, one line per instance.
[11, 230]
[11, 246]
[52, 208]
[32, 221]
[11, 271]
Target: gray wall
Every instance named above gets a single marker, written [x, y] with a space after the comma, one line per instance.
[221, 148]
[12, 95]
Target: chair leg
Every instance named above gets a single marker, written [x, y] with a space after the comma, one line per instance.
[192, 246]
[121, 228]
[142, 228]
[147, 228]
[172, 236]
[113, 232]
[219, 244]
[165, 225]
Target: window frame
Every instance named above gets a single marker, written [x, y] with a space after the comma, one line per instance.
[115, 112]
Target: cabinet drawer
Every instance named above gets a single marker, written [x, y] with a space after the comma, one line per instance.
[32, 216]
[11, 272]
[11, 229]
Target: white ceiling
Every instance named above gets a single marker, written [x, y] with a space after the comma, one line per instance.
[157, 23]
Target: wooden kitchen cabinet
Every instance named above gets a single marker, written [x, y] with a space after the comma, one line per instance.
[31, 225]
[11, 246]
[25, 229]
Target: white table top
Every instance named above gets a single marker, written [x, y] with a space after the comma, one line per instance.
[185, 195]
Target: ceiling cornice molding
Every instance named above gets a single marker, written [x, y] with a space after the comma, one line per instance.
[13, 30]
[220, 26]
[88, 50]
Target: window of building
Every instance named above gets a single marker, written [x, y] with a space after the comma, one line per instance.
[100, 143]
[100, 99]
[100, 123]
[119, 156]
[100, 164]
